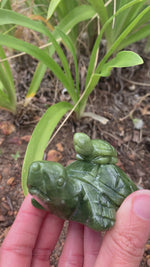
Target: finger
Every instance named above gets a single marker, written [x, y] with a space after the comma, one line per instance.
[72, 254]
[92, 243]
[47, 239]
[124, 244]
[18, 245]
[20, 242]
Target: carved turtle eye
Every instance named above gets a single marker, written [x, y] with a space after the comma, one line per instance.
[60, 181]
[36, 167]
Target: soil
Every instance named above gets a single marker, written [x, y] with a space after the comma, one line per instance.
[120, 98]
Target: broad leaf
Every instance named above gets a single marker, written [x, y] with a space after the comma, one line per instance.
[122, 59]
[122, 37]
[41, 136]
[78, 14]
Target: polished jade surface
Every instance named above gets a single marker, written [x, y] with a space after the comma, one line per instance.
[89, 190]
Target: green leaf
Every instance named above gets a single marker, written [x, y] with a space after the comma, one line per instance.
[122, 59]
[37, 78]
[69, 44]
[78, 14]
[75, 16]
[121, 38]
[6, 4]
[6, 79]
[91, 67]
[142, 33]
[52, 6]
[41, 136]
[123, 20]
[7, 69]
[5, 103]
[15, 156]
[65, 65]
[101, 10]
[41, 55]
[89, 88]
[11, 17]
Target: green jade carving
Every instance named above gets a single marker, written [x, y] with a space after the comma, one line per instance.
[89, 190]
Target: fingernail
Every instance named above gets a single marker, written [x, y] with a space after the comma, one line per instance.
[141, 206]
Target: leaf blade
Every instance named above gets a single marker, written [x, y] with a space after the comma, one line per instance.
[43, 130]
[35, 83]
[121, 60]
[52, 6]
[39, 54]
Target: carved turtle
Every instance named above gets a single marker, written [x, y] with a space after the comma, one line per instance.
[89, 190]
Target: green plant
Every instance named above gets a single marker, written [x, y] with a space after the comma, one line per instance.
[125, 20]
[105, 10]
[136, 28]
[5, 4]
[76, 15]
[15, 156]
[7, 88]
[95, 71]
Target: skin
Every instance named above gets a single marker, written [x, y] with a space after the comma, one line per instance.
[34, 234]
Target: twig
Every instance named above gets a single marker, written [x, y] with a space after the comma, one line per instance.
[133, 82]
[135, 107]
[108, 2]
[114, 12]
[96, 117]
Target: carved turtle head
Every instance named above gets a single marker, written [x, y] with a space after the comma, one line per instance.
[47, 179]
[48, 183]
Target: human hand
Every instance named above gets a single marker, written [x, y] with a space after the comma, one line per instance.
[34, 234]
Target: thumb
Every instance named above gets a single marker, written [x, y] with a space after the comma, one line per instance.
[123, 245]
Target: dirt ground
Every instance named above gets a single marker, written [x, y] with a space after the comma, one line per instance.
[122, 96]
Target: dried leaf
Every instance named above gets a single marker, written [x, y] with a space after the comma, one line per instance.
[59, 147]
[7, 127]
[54, 155]
[26, 138]
[127, 138]
[147, 247]
[120, 165]
[1, 141]
[10, 180]
[15, 140]
[136, 136]
[132, 156]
